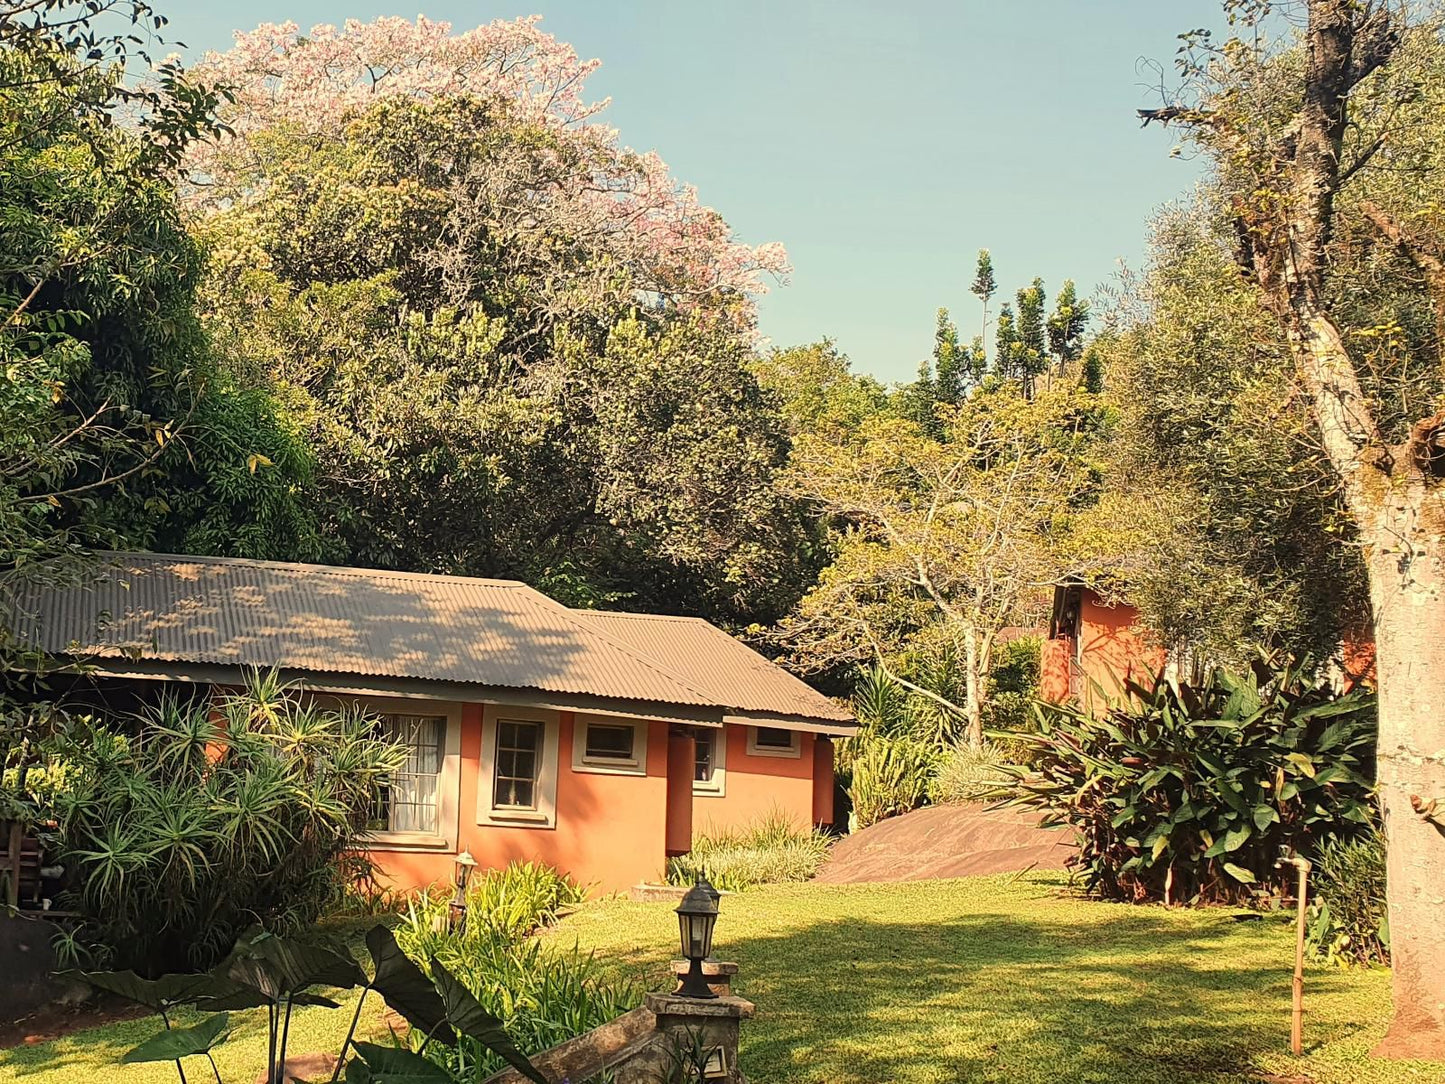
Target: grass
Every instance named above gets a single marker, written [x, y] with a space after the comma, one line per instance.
[936, 982]
[999, 980]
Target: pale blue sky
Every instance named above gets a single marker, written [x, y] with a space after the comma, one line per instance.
[882, 143]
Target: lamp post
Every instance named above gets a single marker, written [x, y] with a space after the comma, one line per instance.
[465, 865]
[696, 917]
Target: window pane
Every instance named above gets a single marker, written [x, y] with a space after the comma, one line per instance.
[774, 738]
[705, 746]
[410, 796]
[609, 742]
[515, 783]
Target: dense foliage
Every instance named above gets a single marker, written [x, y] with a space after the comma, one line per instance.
[770, 850]
[208, 816]
[513, 347]
[1186, 791]
[1347, 917]
[543, 993]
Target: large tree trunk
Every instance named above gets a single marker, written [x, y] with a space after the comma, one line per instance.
[1407, 587]
[972, 688]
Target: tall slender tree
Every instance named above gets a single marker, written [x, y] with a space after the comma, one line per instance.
[984, 287]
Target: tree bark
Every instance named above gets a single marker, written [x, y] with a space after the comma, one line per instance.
[973, 688]
[1407, 588]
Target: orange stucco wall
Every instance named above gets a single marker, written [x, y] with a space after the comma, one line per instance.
[756, 786]
[1111, 650]
[611, 830]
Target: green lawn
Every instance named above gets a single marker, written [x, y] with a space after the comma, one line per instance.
[940, 981]
[987, 980]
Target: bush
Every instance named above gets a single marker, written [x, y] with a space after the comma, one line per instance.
[889, 776]
[769, 851]
[1187, 791]
[1347, 920]
[204, 818]
[502, 904]
[966, 774]
[543, 994]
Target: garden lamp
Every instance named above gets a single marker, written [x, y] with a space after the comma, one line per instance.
[465, 865]
[696, 917]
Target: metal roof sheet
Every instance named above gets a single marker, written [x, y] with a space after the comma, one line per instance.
[731, 672]
[328, 619]
[340, 620]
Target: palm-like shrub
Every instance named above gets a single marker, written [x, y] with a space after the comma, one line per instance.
[202, 817]
[1187, 791]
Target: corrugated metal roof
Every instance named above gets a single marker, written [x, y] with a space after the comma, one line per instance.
[327, 619]
[341, 620]
[731, 672]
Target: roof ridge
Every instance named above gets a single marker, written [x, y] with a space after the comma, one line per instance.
[642, 616]
[302, 566]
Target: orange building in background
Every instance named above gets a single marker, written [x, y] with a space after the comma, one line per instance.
[594, 742]
[1094, 648]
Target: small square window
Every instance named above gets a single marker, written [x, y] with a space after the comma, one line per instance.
[774, 741]
[606, 741]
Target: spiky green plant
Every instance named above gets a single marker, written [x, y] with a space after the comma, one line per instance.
[201, 817]
[770, 850]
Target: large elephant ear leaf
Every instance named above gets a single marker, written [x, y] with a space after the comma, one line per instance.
[277, 967]
[154, 994]
[393, 1065]
[404, 986]
[466, 1014]
[177, 1043]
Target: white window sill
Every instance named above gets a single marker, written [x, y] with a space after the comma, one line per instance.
[609, 767]
[518, 818]
[406, 841]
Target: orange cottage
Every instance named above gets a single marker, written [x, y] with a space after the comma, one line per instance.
[593, 741]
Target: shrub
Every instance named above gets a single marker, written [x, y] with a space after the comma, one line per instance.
[772, 850]
[966, 774]
[206, 817]
[889, 776]
[502, 904]
[1347, 920]
[1187, 791]
[543, 994]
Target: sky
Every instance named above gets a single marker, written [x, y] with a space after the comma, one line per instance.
[883, 143]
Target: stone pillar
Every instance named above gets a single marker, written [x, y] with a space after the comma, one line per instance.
[681, 758]
[689, 1030]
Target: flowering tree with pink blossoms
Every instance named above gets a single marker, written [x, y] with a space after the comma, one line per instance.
[516, 347]
[320, 81]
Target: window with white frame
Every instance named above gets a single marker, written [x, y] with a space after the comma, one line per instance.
[518, 765]
[609, 745]
[709, 762]
[410, 799]
[772, 741]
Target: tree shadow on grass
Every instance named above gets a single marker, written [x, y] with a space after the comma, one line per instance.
[988, 997]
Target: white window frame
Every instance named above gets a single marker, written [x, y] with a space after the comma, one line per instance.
[793, 752]
[717, 786]
[634, 765]
[545, 815]
[449, 779]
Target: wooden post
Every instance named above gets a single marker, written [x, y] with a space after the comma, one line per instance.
[1296, 1023]
[12, 884]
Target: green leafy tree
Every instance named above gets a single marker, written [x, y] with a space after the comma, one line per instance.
[984, 285]
[1066, 326]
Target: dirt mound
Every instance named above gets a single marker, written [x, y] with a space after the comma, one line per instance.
[946, 841]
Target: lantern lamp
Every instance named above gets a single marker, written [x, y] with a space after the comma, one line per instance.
[465, 864]
[696, 917]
